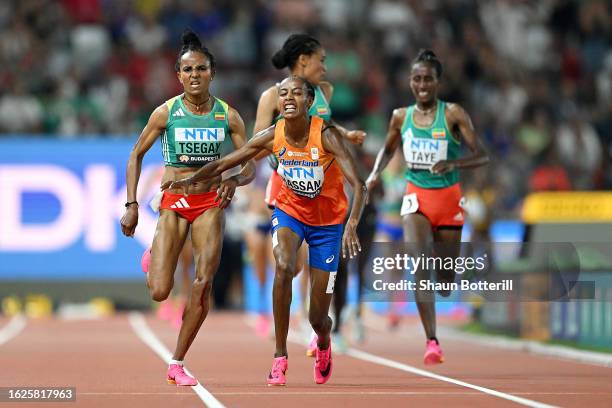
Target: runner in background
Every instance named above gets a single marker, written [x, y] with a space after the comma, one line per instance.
[431, 132]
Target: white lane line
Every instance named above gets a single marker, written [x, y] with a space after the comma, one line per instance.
[12, 328]
[533, 347]
[142, 330]
[362, 355]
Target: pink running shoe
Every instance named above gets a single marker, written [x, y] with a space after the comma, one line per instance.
[145, 260]
[176, 375]
[279, 369]
[433, 353]
[312, 346]
[323, 365]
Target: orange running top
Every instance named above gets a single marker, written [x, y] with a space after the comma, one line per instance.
[313, 187]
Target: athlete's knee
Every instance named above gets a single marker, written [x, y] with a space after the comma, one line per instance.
[202, 286]
[159, 292]
[284, 269]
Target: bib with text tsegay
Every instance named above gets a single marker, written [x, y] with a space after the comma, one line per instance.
[194, 140]
[313, 184]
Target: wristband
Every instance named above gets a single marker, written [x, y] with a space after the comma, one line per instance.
[130, 203]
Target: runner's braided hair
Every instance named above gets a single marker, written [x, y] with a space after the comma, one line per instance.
[191, 42]
[428, 56]
[294, 46]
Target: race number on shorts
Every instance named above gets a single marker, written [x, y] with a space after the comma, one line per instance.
[156, 201]
[331, 281]
[410, 204]
[275, 239]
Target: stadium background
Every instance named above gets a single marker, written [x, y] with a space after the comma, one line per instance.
[78, 80]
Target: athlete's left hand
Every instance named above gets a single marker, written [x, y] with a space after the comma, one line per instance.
[443, 166]
[182, 184]
[226, 191]
[350, 240]
[356, 137]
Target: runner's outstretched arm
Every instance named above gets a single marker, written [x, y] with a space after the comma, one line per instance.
[261, 141]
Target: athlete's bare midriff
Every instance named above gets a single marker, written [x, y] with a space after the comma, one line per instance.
[177, 173]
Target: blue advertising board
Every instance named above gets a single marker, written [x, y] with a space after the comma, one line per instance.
[60, 206]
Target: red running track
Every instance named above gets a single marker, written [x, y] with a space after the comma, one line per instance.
[111, 366]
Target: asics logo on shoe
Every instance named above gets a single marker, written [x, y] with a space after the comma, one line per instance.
[330, 259]
[182, 203]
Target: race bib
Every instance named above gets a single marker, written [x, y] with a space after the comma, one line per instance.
[410, 204]
[422, 153]
[303, 180]
[198, 145]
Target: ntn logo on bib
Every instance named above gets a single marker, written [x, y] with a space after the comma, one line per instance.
[198, 142]
[199, 134]
[304, 181]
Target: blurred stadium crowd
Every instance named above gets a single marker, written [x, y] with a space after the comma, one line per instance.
[535, 76]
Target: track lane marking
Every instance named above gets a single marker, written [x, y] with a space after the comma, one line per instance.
[142, 330]
[12, 328]
[535, 348]
[372, 358]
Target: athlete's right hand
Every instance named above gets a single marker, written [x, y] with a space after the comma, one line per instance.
[350, 240]
[129, 221]
[356, 137]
